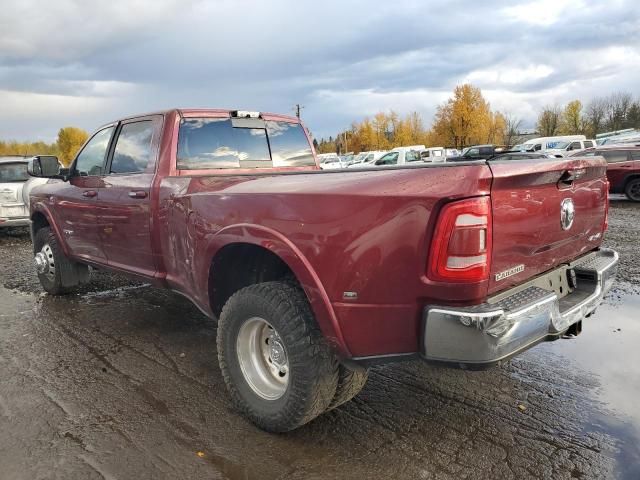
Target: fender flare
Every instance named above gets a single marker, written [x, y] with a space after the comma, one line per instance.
[44, 210]
[291, 255]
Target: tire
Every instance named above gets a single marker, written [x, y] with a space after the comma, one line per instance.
[350, 382]
[632, 190]
[311, 367]
[62, 274]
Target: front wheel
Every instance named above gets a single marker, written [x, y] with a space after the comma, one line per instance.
[278, 369]
[57, 273]
[632, 190]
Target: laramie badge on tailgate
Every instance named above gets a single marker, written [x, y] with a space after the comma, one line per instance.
[510, 272]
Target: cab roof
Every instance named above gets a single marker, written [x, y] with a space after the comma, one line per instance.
[206, 111]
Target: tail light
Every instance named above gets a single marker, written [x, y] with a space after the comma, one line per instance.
[461, 246]
[606, 208]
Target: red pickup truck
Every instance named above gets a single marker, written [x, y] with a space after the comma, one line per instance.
[314, 275]
[623, 170]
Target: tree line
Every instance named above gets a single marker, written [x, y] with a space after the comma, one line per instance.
[67, 144]
[615, 112]
[467, 119]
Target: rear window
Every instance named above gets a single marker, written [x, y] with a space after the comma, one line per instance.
[289, 145]
[205, 143]
[13, 172]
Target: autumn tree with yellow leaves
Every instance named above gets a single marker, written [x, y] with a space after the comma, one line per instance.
[383, 131]
[466, 119]
[69, 141]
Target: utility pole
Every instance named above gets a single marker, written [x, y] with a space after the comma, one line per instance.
[297, 109]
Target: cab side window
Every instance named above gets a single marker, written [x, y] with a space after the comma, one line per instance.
[412, 156]
[615, 156]
[473, 152]
[133, 148]
[90, 161]
[575, 146]
[390, 158]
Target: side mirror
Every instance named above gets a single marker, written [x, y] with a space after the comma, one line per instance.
[46, 166]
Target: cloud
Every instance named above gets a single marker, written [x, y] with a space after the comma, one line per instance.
[543, 12]
[87, 63]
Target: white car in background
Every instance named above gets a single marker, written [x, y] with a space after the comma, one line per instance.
[434, 154]
[563, 149]
[558, 145]
[15, 185]
[453, 152]
[401, 156]
[329, 161]
[367, 159]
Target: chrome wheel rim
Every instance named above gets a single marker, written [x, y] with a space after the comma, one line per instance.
[263, 358]
[45, 262]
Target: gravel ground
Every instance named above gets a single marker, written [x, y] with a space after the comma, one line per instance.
[120, 381]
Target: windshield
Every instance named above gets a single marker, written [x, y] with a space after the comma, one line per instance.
[558, 145]
[13, 172]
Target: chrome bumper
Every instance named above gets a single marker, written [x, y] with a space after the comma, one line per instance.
[14, 215]
[518, 319]
[15, 222]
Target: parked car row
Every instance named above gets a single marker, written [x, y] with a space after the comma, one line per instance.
[395, 156]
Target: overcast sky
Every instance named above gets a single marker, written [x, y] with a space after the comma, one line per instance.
[84, 63]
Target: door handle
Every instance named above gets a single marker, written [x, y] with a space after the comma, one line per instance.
[89, 193]
[138, 194]
[569, 176]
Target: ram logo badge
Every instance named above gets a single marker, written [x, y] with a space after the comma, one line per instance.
[510, 272]
[567, 213]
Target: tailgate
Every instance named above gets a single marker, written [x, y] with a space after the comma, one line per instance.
[531, 234]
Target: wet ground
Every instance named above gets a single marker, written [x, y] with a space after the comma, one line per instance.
[121, 382]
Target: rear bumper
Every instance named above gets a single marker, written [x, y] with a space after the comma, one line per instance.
[14, 222]
[14, 215]
[480, 336]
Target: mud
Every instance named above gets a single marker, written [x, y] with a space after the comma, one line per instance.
[121, 382]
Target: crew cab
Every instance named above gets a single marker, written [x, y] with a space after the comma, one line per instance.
[623, 167]
[315, 275]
